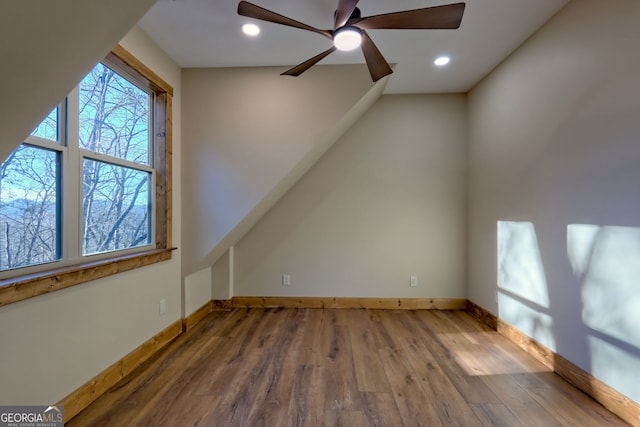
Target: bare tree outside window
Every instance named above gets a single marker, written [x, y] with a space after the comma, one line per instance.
[48, 128]
[29, 208]
[116, 207]
[114, 116]
[115, 192]
[116, 200]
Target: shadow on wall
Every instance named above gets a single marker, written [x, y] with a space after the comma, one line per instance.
[587, 309]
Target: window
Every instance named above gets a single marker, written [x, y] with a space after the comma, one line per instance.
[92, 181]
[29, 207]
[114, 121]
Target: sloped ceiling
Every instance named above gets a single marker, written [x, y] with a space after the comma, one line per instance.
[248, 136]
[206, 33]
[46, 48]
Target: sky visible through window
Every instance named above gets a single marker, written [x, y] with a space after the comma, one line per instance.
[113, 195]
[114, 116]
[29, 207]
[48, 128]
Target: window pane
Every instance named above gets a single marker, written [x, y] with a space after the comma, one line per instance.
[29, 208]
[48, 128]
[114, 116]
[116, 207]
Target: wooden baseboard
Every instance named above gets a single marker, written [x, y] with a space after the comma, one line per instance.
[101, 383]
[195, 317]
[610, 398]
[94, 388]
[483, 315]
[364, 303]
[221, 305]
[613, 400]
[540, 352]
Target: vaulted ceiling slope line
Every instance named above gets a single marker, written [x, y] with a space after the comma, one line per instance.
[283, 132]
[46, 48]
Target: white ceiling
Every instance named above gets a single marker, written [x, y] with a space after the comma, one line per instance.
[206, 33]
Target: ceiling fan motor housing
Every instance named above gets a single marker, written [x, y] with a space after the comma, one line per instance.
[354, 15]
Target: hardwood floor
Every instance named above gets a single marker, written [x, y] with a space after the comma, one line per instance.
[324, 367]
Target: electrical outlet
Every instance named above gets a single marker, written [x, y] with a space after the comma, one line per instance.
[413, 281]
[286, 280]
[162, 307]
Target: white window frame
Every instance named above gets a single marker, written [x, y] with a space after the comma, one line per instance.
[75, 268]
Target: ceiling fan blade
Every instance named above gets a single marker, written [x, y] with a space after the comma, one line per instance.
[378, 66]
[254, 11]
[299, 69]
[447, 17]
[344, 11]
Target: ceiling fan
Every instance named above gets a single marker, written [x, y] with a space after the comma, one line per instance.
[349, 29]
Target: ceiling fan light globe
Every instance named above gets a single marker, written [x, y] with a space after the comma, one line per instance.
[441, 61]
[251, 29]
[347, 38]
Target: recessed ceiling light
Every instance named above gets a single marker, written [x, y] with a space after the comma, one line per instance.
[251, 29]
[442, 61]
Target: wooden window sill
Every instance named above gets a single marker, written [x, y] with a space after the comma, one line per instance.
[31, 285]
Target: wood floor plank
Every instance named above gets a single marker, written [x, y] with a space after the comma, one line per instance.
[382, 335]
[587, 403]
[520, 402]
[451, 407]
[260, 368]
[221, 367]
[414, 407]
[140, 388]
[381, 409]
[306, 406]
[366, 360]
[566, 411]
[395, 323]
[470, 322]
[344, 419]
[472, 388]
[275, 404]
[315, 367]
[269, 373]
[310, 353]
[496, 415]
[457, 328]
[340, 386]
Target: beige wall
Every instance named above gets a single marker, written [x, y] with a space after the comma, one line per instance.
[245, 132]
[250, 134]
[386, 202]
[197, 290]
[54, 343]
[46, 48]
[554, 155]
[222, 279]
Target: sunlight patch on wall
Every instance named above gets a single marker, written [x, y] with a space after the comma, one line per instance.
[606, 262]
[528, 319]
[520, 268]
[581, 239]
[523, 297]
[616, 367]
